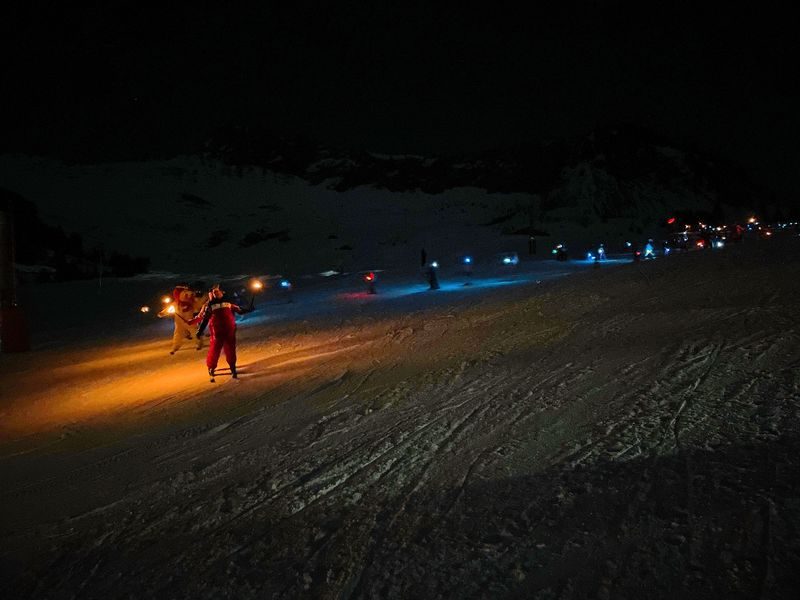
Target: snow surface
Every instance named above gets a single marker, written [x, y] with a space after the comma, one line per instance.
[630, 431]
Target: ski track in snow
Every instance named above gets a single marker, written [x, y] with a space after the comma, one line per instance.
[618, 432]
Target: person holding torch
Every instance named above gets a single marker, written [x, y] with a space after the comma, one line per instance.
[181, 307]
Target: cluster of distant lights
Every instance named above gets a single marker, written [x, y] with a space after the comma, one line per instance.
[752, 224]
[256, 285]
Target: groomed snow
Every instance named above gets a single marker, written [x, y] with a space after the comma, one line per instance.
[629, 431]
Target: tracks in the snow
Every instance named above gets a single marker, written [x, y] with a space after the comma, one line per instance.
[441, 455]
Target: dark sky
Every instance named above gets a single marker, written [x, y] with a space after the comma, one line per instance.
[396, 77]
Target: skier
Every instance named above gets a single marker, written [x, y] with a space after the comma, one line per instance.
[560, 252]
[369, 278]
[635, 252]
[649, 250]
[705, 235]
[219, 315]
[430, 274]
[737, 232]
[182, 309]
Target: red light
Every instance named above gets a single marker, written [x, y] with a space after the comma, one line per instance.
[670, 221]
[369, 277]
[700, 243]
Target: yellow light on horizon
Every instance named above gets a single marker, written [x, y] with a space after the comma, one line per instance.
[145, 309]
[166, 299]
[256, 285]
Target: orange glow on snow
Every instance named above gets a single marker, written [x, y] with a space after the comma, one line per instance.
[111, 385]
[118, 384]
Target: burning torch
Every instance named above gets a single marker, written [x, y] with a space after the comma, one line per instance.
[256, 287]
[433, 279]
[466, 265]
[369, 278]
[167, 311]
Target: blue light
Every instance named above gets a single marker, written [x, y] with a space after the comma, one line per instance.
[506, 261]
[435, 264]
[589, 255]
[285, 284]
[467, 260]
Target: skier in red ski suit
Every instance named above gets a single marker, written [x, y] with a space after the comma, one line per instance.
[219, 315]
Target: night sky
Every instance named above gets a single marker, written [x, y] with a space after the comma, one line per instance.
[117, 80]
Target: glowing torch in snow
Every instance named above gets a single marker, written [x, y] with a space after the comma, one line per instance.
[256, 287]
[369, 279]
[433, 279]
[466, 265]
[287, 287]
